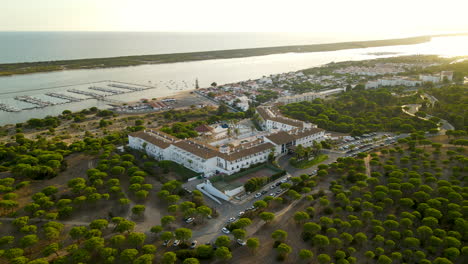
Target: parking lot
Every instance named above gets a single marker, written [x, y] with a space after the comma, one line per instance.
[353, 145]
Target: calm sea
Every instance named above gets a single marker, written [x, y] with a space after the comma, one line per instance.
[47, 46]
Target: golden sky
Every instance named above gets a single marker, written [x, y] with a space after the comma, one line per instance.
[395, 17]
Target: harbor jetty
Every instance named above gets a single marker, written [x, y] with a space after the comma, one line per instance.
[8, 108]
[96, 96]
[64, 97]
[107, 90]
[123, 86]
[33, 100]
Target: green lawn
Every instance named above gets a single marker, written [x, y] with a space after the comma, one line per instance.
[304, 164]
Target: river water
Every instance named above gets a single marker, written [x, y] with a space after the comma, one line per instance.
[169, 79]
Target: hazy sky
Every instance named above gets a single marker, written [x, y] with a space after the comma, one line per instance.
[357, 16]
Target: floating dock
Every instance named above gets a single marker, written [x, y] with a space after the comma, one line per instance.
[64, 97]
[122, 86]
[107, 90]
[8, 108]
[33, 100]
[95, 95]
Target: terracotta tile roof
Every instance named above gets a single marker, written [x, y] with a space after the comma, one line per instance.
[201, 150]
[281, 137]
[151, 138]
[246, 152]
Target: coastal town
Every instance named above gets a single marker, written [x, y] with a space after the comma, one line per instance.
[233, 132]
[230, 164]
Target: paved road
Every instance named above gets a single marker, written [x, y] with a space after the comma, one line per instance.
[413, 108]
[212, 227]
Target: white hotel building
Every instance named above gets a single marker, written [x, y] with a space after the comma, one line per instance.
[208, 160]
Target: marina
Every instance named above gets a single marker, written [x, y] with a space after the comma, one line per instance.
[123, 86]
[107, 90]
[64, 97]
[33, 100]
[90, 91]
[101, 97]
[8, 108]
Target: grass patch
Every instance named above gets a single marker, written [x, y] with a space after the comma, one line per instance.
[304, 164]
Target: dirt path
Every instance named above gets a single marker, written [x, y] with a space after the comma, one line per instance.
[366, 162]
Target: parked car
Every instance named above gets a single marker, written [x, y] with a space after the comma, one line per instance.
[189, 220]
[225, 230]
[241, 213]
[176, 243]
[263, 192]
[193, 244]
[232, 219]
[241, 242]
[272, 187]
[258, 195]
[273, 194]
[166, 243]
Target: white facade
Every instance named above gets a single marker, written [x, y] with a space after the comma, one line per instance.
[429, 78]
[208, 162]
[393, 82]
[309, 96]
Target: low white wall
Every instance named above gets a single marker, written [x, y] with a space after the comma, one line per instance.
[199, 187]
[208, 187]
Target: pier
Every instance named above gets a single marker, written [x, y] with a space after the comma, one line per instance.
[123, 86]
[34, 100]
[107, 90]
[8, 108]
[64, 97]
[94, 95]
[91, 94]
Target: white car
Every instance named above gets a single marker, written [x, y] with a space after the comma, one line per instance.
[232, 219]
[225, 230]
[257, 195]
[176, 243]
[272, 187]
[241, 242]
[241, 213]
[189, 220]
